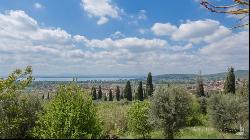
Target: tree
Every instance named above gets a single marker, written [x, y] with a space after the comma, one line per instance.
[227, 111]
[110, 95]
[170, 109]
[17, 110]
[238, 7]
[128, 91]
[100, 93]
[229, 85]
[139, 93]
[70, 115]
[138, 119]
[199, 88]
[149, 85]
[117, 93]
[93, 93]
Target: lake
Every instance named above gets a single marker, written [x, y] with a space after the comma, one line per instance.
[83, 79]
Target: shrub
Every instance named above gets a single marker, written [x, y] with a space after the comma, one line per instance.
[114, 118]
[170, 109]
[71, 114]
[17, 111]
[138, 119]
[196, 118]
[227, 111]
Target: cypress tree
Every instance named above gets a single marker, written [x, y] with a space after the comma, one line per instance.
[229, 85]
[117, 93]
[43, 96]
[93, 92]
[149, 85]
[139, 93]
[100, 92]
[110, 95]
[199, 87]
[128, 91]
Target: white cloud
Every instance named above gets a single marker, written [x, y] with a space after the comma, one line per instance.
[117, 35]
[54, 51]
[142, 15]
[161, 29]
[102, 9]
[38, 5]
[193, 31]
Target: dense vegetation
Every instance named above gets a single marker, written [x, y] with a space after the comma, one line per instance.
[141, 110]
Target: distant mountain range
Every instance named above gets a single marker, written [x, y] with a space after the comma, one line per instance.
[190, 77]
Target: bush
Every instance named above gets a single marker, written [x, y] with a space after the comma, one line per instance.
[170, 109]
[71, 114]
[196, 117]
[17, 115]
[227, 111]
[138, 119]
[17, 111]
[114, 118]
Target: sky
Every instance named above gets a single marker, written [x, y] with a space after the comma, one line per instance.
[119, 37]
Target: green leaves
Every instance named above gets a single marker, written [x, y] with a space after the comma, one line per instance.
[170, 109]
[71, 114]
[138, 119]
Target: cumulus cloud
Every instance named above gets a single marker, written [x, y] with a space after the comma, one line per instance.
[193, 31]
[162, 29]
[54, 51]
[102, 9]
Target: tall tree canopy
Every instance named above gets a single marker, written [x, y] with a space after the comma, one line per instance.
[229, 85]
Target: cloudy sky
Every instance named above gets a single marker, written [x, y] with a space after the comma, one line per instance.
[118, 37]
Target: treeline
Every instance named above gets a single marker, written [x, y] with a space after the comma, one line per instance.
[72, 113]
[127, 93]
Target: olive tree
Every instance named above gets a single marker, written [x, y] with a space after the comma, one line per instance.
[170, 109]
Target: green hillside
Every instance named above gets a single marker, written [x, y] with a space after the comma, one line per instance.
[188, 77]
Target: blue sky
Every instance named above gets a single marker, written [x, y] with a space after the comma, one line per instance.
[120, 37]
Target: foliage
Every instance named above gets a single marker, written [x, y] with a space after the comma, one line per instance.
[93, 93]
[99, 92]
[110, 95]
[170, 109]
[227, 111]
[204, 133]
[105, 98]
[139, 93]
[200, 89]
[17, 111]
[149, 86]
[246, 129]
[229, 85]
[128, 91]
[196, 117]
[71, 114]
[114, 118]
[17, 80]
[138, 119]
[203, 105]
[117, 93]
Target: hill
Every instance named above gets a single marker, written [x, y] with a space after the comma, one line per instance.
[191, 77]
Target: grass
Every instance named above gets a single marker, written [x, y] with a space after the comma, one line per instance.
[199, 132]
[204, 133]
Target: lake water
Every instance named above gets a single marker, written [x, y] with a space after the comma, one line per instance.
[83, 79]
